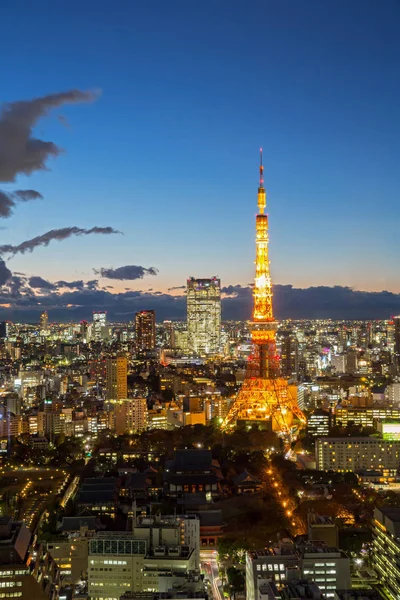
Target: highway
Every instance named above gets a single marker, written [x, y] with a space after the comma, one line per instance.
[209, 565]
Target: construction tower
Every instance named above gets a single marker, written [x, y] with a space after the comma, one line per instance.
[265, 396]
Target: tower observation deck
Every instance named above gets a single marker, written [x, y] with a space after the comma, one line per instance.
[265, 395]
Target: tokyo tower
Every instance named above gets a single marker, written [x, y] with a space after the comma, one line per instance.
[264, 396]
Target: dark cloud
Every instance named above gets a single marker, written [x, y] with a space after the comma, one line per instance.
[38, 282]
[78, 284]
[176, 287]
[26, 195]
[8, 200]
[20, 152]
[22, 286]
[5, 272]
[54, 234]
[6, 205]
[127, 272]
[92, 284]
[16, 286]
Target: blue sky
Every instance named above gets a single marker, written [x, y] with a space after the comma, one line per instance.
[169, 152]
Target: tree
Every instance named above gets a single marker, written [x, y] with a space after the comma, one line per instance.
[236, 579]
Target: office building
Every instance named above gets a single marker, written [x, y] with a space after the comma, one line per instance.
[352, 362]
[386, 548]
[295, 589]
[357, 453]
[17, 580]
[396, 322]
[204, 315]
[84, 330]
[289, 354]
[4, 329]
[338, 363]
[117, 378]
[137, 561]
[44, 321]
[145, 330]
[99, 322]
[130, 415]
[169, 334]
[392, 394]
[318, 423]
[327, 566]
[70, 548]
[322, 529]
[367, 416]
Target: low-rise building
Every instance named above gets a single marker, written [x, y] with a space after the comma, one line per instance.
[137, 561]
[327, 566]
[17, 579]
[366, 416]
[192, 471]
[98, 495]
[357, 453]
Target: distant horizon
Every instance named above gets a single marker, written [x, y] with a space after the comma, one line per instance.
[314, 303]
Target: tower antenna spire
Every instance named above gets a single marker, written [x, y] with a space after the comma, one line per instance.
[262, 198]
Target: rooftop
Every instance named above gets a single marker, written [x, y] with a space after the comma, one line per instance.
[75, 523]
[192, 460]
[391, 512]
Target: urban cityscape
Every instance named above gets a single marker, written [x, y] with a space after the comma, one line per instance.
[197, 439]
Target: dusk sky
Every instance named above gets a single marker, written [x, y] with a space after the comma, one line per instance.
[167, 150]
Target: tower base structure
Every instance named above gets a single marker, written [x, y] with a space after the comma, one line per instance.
[270, 402]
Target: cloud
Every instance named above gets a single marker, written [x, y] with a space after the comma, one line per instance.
[6, 205]
[20, 152]
[38, 282]
[26, 195]
[53, 234]
[79, 284]
[19, 285]
[8, 200]
[5, 272]
[176, 287]
[128, 272]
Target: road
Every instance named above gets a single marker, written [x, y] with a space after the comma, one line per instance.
[209, 565]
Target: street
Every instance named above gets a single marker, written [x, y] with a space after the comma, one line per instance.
[209, 565]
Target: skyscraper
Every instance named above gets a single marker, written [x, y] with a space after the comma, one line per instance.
[99, 321]
[145, 330]
[84, 330]
[44, 321]
[117, 378]
[289, 354]
[4, 329]
[204, 315]
[396, 321]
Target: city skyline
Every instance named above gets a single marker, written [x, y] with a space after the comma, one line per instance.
[329, 144]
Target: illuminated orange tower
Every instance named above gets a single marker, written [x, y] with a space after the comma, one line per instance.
[264, 395]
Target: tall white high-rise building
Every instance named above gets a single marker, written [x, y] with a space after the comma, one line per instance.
[204, 315]
[99, 321]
